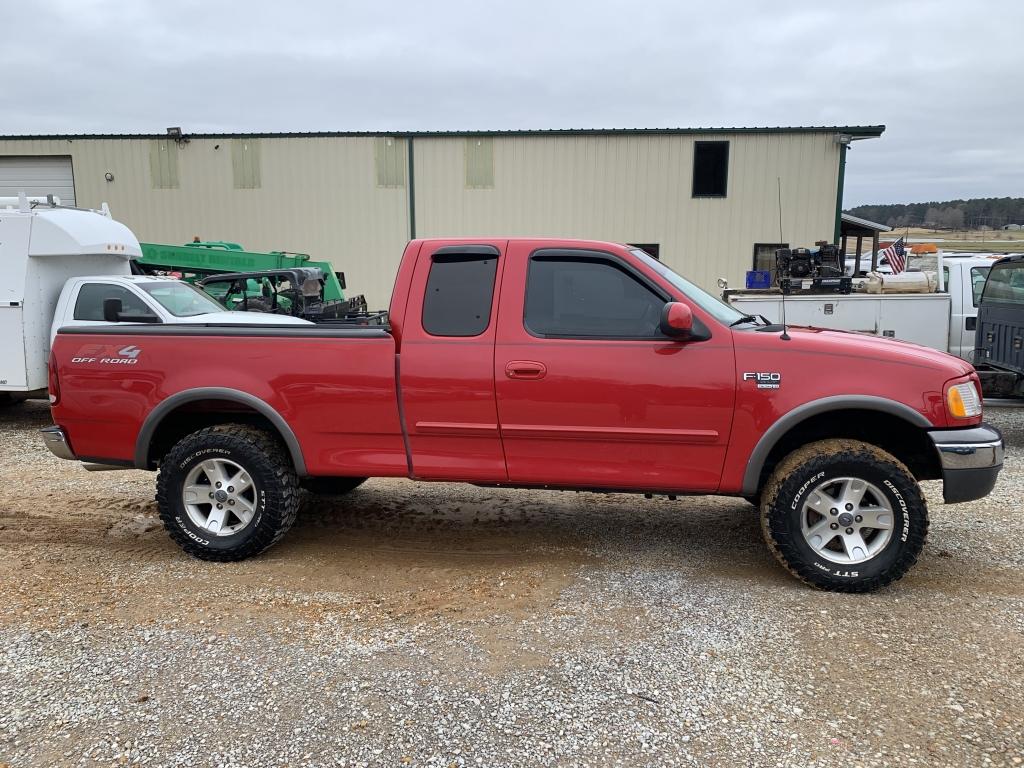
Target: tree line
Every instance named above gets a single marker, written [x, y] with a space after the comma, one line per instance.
[977, 213]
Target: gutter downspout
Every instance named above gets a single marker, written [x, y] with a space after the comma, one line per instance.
[412, 189]
[839, 194]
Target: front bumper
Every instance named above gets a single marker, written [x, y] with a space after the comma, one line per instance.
[55, 439]
[971, 459]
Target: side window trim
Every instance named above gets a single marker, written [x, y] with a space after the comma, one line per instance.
[598, 256]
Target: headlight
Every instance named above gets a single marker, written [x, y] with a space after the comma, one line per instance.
[963, 401]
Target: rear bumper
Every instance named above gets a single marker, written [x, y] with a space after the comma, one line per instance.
[971, 460]
[55, 439]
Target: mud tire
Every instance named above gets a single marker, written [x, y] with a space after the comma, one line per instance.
[800, 472]
[266, 461]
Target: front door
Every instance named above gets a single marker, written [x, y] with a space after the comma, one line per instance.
[590, 393]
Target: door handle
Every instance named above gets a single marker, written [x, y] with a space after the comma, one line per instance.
[525, 369]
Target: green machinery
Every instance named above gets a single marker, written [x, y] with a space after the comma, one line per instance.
[203, 258]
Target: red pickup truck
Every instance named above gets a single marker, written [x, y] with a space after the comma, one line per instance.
[537, 363]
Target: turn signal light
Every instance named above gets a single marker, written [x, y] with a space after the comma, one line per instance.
[963, 401]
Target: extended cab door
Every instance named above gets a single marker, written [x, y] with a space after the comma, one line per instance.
[590, 393]
[446, 362]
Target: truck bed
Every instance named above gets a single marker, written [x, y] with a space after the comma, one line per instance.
[336, 386]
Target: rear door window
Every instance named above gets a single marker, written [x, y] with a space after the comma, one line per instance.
[460, 288]
[89, 305]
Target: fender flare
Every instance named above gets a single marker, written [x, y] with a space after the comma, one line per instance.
[157, 415]
[836, 403]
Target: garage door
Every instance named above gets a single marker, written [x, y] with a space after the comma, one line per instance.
[47, 175]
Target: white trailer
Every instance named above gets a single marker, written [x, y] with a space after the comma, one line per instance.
[59, 267]
[40, 248]
[943, 320]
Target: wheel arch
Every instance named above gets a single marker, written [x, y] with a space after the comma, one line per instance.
[221, 404]
[898, 428]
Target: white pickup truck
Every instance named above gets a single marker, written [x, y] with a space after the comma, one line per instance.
[943, 320]
[68, 266]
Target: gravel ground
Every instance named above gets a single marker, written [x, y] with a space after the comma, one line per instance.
[443, 625]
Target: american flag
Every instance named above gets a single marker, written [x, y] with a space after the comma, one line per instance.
[896, 255]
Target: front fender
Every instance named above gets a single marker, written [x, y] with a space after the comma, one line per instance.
[764, 446]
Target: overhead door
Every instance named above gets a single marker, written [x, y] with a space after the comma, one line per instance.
[43, 175]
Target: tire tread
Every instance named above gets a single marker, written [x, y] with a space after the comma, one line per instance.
[780, 542]
[276, 461]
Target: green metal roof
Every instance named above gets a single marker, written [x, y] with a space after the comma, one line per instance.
[860, 131]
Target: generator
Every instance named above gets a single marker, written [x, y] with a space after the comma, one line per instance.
[819, 270]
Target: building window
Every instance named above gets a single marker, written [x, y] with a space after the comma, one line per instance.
[459, 292]
[651, 249]
[710, 168]
[390, 157]
[479, 162]
[764, 257]
[245, 163]
[163, 163]
[586, 297]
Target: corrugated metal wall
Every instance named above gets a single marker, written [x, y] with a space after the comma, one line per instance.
[346, 198]
[637, 189]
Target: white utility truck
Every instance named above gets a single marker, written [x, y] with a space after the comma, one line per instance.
[943, 319]
[64, 266]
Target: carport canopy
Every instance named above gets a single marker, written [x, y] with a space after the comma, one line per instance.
[854, 226]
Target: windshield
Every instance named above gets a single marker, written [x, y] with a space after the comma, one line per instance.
[713, 306]
[181, 299]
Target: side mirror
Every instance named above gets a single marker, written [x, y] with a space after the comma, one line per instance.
[677, 320]
[111, 309]
[112, 313]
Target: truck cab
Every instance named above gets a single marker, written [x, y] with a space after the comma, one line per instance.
[964, 277]
[145, 299]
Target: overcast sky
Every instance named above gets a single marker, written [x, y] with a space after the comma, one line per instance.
[944, 76]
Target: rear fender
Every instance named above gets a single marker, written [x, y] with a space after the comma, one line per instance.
[168, 406]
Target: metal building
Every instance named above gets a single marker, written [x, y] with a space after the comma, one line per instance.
[706, 201]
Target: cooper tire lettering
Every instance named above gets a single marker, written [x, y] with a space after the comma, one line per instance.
[787, 520]
[254, 451]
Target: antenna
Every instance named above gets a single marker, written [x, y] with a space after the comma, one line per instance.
[785, 334]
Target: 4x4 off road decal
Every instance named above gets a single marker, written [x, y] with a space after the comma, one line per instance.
[107, 355]
[764, 379]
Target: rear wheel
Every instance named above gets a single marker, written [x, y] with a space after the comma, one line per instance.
[227, 492]
[844, 515]
[332, 486]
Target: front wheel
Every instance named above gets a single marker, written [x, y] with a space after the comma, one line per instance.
[844, 515]
[227, 492]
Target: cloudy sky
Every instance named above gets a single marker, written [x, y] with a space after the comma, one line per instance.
[945, 76]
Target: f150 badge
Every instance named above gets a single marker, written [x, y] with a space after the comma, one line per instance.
[107, 355]
[764, 379]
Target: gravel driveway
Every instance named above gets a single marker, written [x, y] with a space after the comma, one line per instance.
[446, 625]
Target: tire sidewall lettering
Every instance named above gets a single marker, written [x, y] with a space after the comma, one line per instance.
[878, 477]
